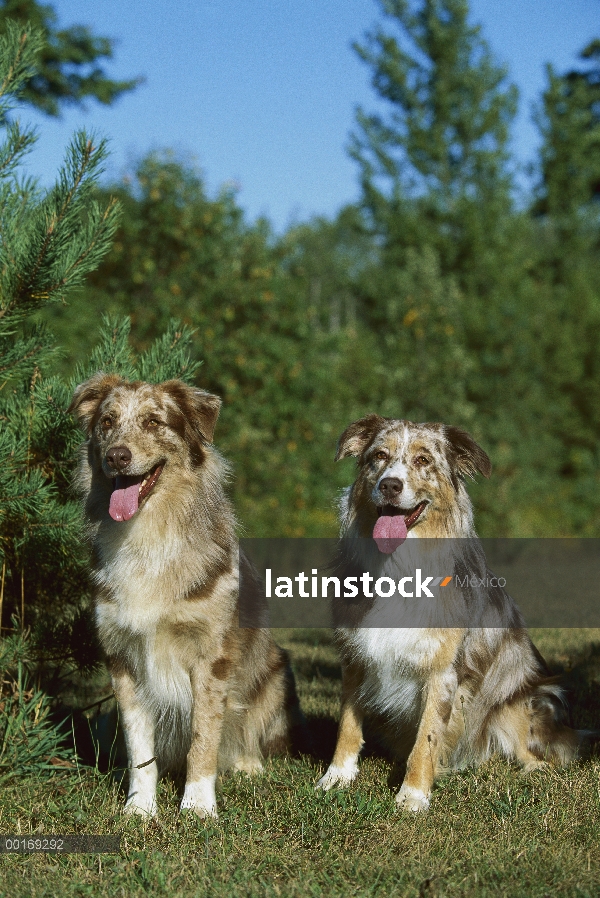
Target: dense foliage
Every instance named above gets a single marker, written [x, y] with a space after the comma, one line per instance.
[570, 121]
[438, 297]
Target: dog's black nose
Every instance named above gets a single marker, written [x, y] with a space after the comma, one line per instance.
[118, 457]
[390, 487]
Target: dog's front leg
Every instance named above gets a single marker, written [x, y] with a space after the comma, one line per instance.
[208, 704]
[424, 760]
[344, 766]
[139, 738]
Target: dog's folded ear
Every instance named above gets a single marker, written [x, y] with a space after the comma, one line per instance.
[358, 435]
[466, 457]
[200, 409]
[206, 408]
[89, 395]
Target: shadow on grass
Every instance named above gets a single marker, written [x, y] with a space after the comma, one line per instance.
[99, 741]
[320, 670]
[580, 678]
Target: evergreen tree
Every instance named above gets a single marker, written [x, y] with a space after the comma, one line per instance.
[68, 65]
[523, 319]
[570, 124]
[567, 274]
[435, 170]
[49, 241]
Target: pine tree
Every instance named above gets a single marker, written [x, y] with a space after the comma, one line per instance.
[494, 292]
[68, 66]
[49, 241]
[569, 120]
[434, 170]
[565, 213]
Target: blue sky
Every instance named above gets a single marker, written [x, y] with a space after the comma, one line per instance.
[262, 92]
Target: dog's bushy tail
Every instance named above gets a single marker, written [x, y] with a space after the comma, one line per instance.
[551, 738]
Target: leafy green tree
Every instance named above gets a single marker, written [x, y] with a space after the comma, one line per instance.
[180, 253]
[409, 316]
[68, 68]
[325, 259]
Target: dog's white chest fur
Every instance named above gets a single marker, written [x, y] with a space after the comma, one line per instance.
[411, 647]
[143, 576]
[166, 683]
[397, 662]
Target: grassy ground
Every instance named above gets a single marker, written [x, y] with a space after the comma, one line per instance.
[490, 831]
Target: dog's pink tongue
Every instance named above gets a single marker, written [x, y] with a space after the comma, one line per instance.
[390, 532]
[124, 502]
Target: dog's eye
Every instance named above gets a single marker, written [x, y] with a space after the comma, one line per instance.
[421, 460]
[106, 422]
[152, 422]
[381, 456]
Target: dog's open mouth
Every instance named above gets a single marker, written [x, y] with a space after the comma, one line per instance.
[393, 524]
[129, 490]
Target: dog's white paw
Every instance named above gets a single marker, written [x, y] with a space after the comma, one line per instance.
[534, 764]
[200, 797]
[140, 804]
[410, 799]
[251, 766]
[338, 776]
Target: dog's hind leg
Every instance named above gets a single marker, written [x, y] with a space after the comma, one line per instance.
[344, 766]
[138, 726]
[271, 716]
[531, 730]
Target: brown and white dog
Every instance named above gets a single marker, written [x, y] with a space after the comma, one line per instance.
[462, 679]
[189, 682]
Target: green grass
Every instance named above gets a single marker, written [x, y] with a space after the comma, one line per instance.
[490, 831]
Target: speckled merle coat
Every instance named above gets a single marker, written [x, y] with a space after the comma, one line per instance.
[192, 687]
[447, 695]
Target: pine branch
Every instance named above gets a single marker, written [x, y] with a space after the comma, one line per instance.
[112, 353]
[170, 356]
[17, 144]
[59, 224]
[19, 52]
